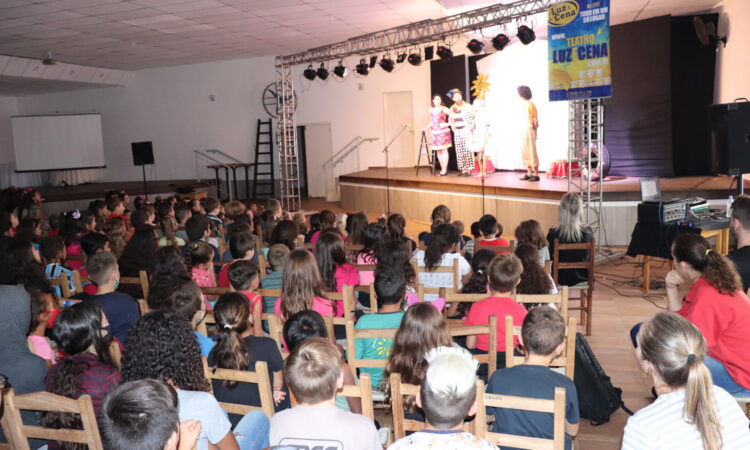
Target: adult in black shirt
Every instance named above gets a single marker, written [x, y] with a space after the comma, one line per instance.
[570, 230]
[740, 226]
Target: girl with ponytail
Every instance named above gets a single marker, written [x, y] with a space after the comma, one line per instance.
[441, 252]
[237, 349]
[690, 411]
[716, 304]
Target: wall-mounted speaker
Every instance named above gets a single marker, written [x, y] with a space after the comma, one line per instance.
[143, 153]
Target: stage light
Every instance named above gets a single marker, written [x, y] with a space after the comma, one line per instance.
[428, 52]
[526, 35]
[401, 58]
[373, 61]
[362, 68]
[309, 73]
[444, 52]
[475, 46]
[340, 71]
[322, 72]
[387, 64]
[415, 59]
[500, 41]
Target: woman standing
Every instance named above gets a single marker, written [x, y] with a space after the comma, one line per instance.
[528, 148]
[462, 124]
[440, 132]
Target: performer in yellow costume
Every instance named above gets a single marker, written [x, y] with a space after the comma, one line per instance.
[528, 146]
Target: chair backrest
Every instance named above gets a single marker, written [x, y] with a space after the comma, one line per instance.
[505, 249]
[143, 275]
[262, 264]
[362, 391]
[63, 282]
[115, 354]
[352, 334]
[17, 432]
[346, 296]
[556, 407]
[215, 290]
[79, 279]
[589, 264]
[259, 377]
[275, 330]
[139, 280]
[567, 359]
[473, 330]
[453, 269]
[353, 247]
[560, 300]
[457, 297]
[143, 306]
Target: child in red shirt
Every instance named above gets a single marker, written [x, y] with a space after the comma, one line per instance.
[242, 247]
[243, 276]
[489, 228]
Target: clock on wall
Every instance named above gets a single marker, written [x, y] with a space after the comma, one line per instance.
[271, 101]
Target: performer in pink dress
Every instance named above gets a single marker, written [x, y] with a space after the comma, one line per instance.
[440, 132]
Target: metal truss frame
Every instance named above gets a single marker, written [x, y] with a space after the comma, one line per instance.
[585, 138]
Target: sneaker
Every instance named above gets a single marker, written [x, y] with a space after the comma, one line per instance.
[534, 178]
[525, 177]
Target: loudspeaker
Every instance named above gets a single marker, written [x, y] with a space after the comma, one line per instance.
[729, 126]
[143, 153]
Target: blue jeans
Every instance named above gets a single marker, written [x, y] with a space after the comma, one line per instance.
[253, 430]
[722, 378]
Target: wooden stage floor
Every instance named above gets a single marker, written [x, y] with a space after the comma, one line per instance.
[507, 183]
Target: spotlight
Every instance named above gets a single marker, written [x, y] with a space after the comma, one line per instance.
[401, 58]
[340, 70]
[362, 68]
[444, 52]
[373, 61]
[415, 59]
[322, 72]
[500, 41]
[386, 64]
[475, 46]
[309, 73]
[428, 52]
[526, 35]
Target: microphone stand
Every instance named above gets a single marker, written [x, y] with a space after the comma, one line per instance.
[483, 163]
[387, 172]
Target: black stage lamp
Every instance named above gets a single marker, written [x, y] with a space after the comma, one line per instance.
[362, 68]
[526, 35]
[415, 59]
[475, 46]
[429, 52]
[309, 73]
[401, 58]
[340, 70]
[500, 41]
[444, 52]
[322, 72]
[387, 64]
[373, 61]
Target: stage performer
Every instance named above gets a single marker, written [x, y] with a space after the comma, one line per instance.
[528, 147]
[462, 124]
[483, 164]
[440, 132]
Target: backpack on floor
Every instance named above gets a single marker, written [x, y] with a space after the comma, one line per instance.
[597, 398]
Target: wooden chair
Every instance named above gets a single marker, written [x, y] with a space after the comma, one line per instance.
[352, 334]
[275, 330]
[363, 391]
[555, 407]
[346, 296]
[473, 330]
[566, 360]
[259, 377]
[419, 270]
[586, 289]
[139, 280]
[262, 264]
[143, 306]
[560, 300]
[63, 282]
[79, 280]
[498, 249]
[17, 433]
[115, 354]
[353, 247]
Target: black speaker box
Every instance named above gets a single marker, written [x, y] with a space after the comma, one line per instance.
[729, 126]
[143, 153]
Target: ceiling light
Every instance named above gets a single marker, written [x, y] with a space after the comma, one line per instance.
[526, 35]
[475, 46]
[387, 64]
[500, 41]
[309, 73]
[322, 72]
[373, 61]
[362, 68]
[401, 58]
[428, 52]
[444, 52]
[415, 59]
[340, 71]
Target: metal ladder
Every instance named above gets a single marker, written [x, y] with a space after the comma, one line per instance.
[287, 134]
[263, 176]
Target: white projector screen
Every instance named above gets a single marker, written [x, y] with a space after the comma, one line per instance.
[58, 142]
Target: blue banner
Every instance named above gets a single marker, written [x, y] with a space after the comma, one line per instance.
[578, 50]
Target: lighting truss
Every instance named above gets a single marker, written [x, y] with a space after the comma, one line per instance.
[585, 140]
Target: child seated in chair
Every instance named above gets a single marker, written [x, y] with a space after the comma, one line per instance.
[313, 373]
[542, 336]
[490, 228]
[53, 254]
[242, 248]
[243, 276]
[447, 396]
[390, 288]
[121, 309]
[278, 255]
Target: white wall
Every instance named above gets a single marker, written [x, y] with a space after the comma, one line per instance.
[171, 107]
[732, 80]
[7, 109]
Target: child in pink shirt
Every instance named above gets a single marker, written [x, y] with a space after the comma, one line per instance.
[302, 288]
[199, 259]
[332, 264]
[42, 309]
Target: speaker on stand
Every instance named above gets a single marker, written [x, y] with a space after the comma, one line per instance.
[143, 154]
[729, 127]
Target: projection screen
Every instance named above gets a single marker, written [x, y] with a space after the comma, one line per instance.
[43, 143]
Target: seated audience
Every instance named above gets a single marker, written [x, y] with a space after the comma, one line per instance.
[530, 232]
[242, 247]
[542, 335]
[440, 215]
[198, 261]
[571, 230]
[302, 288]
[333, 264]
[44, 312]
[355, 227]
[490, 228]
[142, 217]
[447, 396]
[534, 279]
[740, 226]
[116, 208]
[198, 229]
[53, 254]
[182, 213]
[286, 232]
[477, 284]
[121, 309]
[212, 206]
[395, 229]
[167, 232]
[30, 229]
[327, 220]
[441, 252]
[117, 234]
[273, 214]
[139, 253]
[185, 302]
[243, 276]
[689, 412]
[278, 256]
[313, 372]
[475, 235]
[167, 273]
[717, 305]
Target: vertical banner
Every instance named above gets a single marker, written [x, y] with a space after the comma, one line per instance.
[578, 50]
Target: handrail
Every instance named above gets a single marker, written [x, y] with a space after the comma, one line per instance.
[213, 150]
[218, 163]
[347, 149]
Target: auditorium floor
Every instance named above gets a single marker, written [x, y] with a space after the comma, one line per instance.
[618, 305]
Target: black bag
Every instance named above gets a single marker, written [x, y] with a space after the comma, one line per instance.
[597, 398]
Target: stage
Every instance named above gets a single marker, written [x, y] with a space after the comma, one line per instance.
[510, 199]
